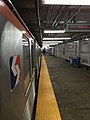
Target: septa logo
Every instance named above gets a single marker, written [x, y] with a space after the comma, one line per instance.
[15, 70]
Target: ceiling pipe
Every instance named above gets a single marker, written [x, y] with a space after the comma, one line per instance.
[38, 18]
[79, 36]
[50, 9]
[51, 16]
[56, 17]
[62, 15]
[75, 12]
[54, 23]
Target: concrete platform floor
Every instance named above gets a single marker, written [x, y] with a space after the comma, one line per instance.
[72, 88]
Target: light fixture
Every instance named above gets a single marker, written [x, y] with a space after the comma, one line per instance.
[46, 43]
[75, 41]
[54, 31]
[25, 45]
[52, 41]
[10, 1]
[81, 21]
[25, 42]
[66, 2]
[61, 22]
[23, 31]
[57, 38]
[1, 3]
[30, 38]
[86, 39]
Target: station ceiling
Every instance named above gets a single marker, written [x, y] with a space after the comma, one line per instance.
[39, 17]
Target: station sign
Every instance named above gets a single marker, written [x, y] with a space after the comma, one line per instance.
[78, 28]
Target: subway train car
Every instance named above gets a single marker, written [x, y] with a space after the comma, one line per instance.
[20, 57]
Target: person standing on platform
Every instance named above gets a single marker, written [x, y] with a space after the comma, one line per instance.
[44, 51]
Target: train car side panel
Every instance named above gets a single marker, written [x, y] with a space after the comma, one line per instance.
[12, 97]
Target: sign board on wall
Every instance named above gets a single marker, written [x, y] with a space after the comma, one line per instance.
[78, 28]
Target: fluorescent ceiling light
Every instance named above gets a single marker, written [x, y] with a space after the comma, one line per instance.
[67, 2]
[1, 3]
[61, 21]
[25, 42]
[10, 1]
[86, 38]
[81, 21]
[30, 38]
[57, 38]
[52, 41]
[75, 41]
[23, 31]
[54, 31]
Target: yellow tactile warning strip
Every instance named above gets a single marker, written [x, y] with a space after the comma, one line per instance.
[47, 108]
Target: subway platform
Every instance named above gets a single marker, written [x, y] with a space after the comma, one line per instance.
[72, 88]
[47, 108]
[71, 91]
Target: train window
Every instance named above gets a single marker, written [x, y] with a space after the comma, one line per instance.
[32, 54]
[26, 62]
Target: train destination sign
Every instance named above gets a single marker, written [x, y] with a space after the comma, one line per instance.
[78, 28]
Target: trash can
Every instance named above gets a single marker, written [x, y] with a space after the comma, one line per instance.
[78, 61]
[73, 61]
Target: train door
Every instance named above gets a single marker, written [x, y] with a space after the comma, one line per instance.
[26, 62]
